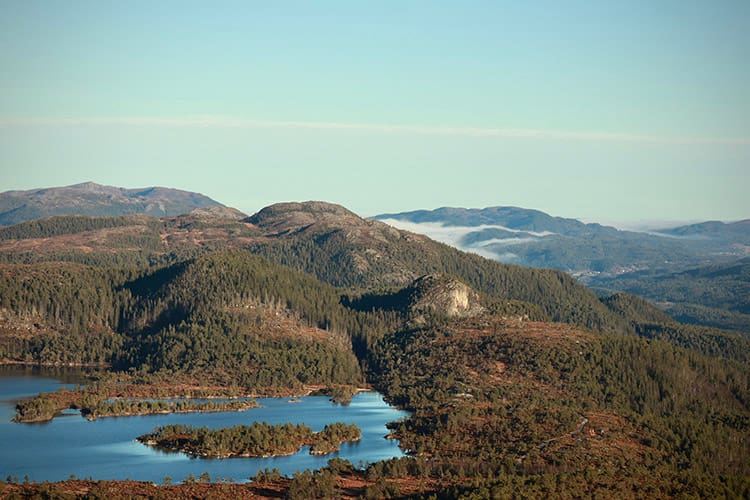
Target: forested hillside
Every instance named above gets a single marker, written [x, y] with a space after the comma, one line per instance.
[230, 316]
[520, 380]
[61, 312]
[123, 287]
[342, 249]
[717, 295]
[536, 409]
[324, 240]
[650, 322]
[229, 311]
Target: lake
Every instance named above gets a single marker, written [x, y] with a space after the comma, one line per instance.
[105, 448]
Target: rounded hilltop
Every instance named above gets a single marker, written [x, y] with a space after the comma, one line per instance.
[293, 216]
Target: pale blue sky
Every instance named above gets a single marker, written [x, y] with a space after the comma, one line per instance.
[599, 110]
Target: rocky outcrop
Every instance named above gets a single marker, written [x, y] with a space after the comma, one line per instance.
[443, 296]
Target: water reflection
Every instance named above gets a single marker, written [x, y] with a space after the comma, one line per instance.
[105, 448]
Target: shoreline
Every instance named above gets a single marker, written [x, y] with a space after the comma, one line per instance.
[92, 418]
[44, 407]
[185, 439]
[47, 364]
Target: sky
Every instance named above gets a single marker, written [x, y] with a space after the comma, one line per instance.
[610, 111]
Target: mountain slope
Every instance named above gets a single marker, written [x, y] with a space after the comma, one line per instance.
[229, 316]
[343, 249]
[131, 240]
[716, 295]
[93, 199]
[324, 240]
[539, 409]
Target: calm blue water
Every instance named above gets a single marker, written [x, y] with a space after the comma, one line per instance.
[105, 448]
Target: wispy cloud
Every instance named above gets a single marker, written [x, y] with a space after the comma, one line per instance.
[455, 237]
[233, 122]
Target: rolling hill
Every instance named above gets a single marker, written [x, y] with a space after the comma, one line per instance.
[94, 199]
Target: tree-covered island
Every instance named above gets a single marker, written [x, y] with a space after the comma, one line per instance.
[257, 440]
[111, 399]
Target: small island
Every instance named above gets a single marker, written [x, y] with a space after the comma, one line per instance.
[120, 400]
[341, 394]
[125, 408]
[259, 440]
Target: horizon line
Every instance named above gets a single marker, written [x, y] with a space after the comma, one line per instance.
[221, 121]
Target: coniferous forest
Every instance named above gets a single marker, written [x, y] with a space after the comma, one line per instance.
[521, 382]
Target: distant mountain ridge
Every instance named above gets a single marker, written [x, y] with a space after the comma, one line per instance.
[93, 199]
[739, 230]
[521, 219]
[534, 238]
